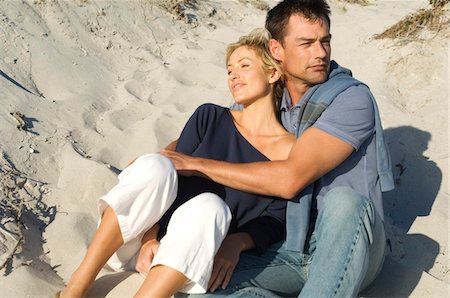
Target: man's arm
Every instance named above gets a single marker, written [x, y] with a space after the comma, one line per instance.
[313, 155]
[172, 145]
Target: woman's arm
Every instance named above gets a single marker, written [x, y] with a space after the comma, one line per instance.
[227, 258]
[257, 234]
[149, 248]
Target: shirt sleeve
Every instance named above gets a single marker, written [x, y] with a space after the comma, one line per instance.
[350, 117]
[191, 137]
[195, 129]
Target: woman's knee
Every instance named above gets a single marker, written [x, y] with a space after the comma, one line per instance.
[154, 162]
[208, 207]
[213, 205]
[154, 166]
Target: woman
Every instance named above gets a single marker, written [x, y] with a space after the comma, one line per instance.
[205, 219]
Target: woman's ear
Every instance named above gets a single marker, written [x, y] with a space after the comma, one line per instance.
[274, 76]
[276, 49]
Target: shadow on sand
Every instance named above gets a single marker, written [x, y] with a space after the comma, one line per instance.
[417, 180]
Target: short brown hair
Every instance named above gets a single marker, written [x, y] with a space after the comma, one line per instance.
[278, 17]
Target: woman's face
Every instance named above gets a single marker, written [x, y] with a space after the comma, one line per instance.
[247, 79]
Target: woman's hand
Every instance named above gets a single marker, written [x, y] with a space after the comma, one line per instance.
[225, 261]
[149, 248]
[227, 258]
[146, 255]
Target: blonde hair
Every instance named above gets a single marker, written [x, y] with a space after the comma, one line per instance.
[258, 41]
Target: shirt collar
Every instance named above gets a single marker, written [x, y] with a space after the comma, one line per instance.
[286, 102]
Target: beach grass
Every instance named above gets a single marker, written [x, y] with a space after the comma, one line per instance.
[432, 19]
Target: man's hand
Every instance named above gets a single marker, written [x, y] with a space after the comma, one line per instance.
[146, 255]
[172, 145]
[185, 164]
[227, 258]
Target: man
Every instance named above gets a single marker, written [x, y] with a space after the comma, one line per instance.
[337, 168]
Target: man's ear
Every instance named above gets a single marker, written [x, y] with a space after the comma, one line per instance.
[276, 49]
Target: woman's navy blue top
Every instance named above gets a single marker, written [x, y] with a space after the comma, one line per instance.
[211, 133]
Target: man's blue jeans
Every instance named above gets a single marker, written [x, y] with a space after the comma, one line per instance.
[346, 252]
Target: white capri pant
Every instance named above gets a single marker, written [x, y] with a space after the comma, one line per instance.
[145, 191]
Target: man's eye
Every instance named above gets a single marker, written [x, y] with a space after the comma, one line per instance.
[245, 65]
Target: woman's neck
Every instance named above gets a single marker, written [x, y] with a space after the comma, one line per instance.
[258, 118]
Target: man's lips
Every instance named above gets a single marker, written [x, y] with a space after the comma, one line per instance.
[319, 67]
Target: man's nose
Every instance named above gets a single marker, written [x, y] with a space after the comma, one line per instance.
[319, 50]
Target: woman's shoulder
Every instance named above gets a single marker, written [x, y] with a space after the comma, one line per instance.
[209, 113]
[282, 146]
[211, 108]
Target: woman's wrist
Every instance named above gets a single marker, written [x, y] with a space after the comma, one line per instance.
[151, 235]
[244, 241]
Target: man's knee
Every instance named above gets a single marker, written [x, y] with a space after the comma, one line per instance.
[344, 209]
[343, 201]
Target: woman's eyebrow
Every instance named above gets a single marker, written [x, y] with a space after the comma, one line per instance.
[248, 58]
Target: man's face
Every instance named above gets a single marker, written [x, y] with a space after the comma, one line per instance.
[305, 51]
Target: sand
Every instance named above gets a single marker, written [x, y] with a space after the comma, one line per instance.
[86, 86]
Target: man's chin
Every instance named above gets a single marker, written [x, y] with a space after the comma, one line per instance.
[319, 78]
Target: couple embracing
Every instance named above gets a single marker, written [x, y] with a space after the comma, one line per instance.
[278, 196]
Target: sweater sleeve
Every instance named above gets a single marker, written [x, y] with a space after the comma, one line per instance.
[264, 230]
[269, 227]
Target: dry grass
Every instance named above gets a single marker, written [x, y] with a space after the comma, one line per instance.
[432, 19]
[360, 2]
[258, 4]
[178, 8]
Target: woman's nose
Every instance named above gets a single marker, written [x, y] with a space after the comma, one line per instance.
[234, 75]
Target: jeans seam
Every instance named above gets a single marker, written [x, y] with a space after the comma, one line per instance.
[237, 289]
[355, 240]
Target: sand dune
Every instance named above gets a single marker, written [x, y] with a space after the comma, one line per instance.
[86, 86]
